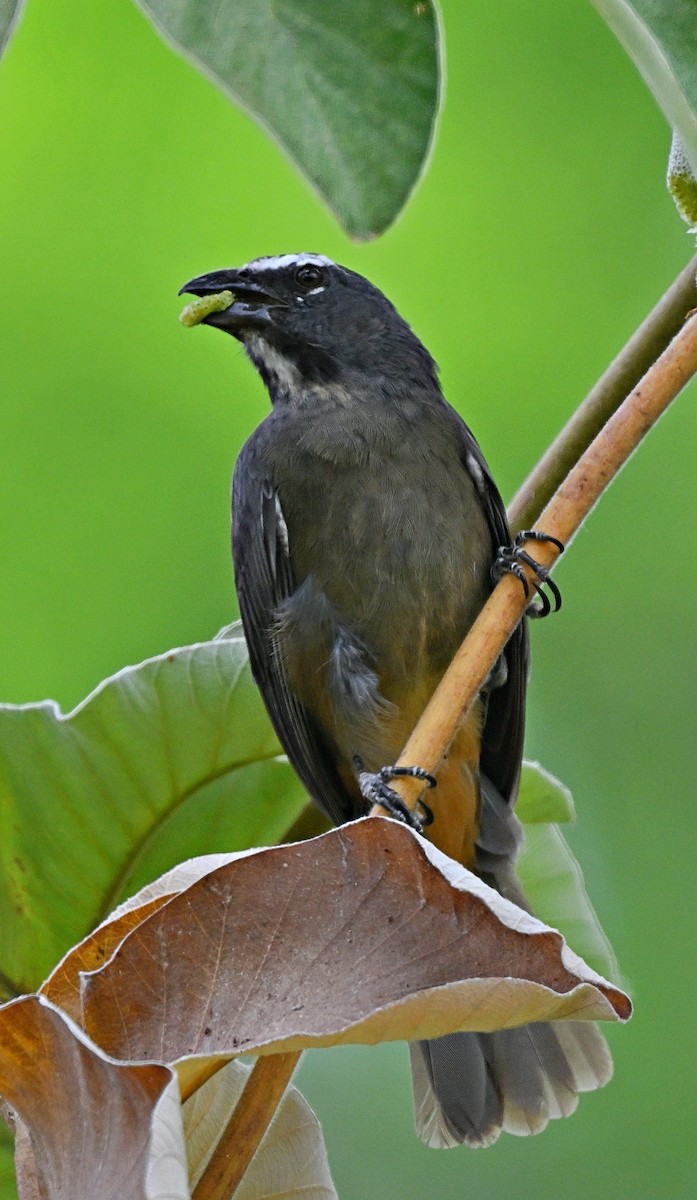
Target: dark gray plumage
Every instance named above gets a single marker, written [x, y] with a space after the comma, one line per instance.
[366, 522]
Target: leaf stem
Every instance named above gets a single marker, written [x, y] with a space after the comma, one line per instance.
[244, 1131]
[561, 518]
[650, 340]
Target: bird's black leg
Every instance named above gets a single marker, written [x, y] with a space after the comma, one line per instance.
[376, 790]
[511, 559]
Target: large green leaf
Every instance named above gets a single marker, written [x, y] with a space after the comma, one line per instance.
[542, 797]
[9, 15]
[551, 877]
[170, 758]
[350, 90]
[661, 37]
[553, 883]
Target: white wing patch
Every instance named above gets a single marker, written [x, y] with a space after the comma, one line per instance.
[477, 474]
[278, 261]
[282, 527]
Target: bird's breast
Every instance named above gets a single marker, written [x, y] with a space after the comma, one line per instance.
[397, 541]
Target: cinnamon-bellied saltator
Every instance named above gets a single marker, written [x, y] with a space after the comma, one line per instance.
[366, 523]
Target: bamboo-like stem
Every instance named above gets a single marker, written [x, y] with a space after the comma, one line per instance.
[650, 340]
[562, 517]
[253, 1113]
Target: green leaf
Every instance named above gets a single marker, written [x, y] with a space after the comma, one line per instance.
[661, 37]
[543, 797]
[682, 184]
[350, 90]
[553, 883]
[172, 757]
[9, 15]
[551, 877]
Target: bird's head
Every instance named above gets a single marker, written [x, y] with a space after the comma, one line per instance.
[304, 319]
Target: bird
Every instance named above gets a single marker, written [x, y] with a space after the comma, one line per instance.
[366, 525]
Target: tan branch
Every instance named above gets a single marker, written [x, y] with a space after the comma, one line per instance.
[651, 339]
[562, 518]
[251, 1118]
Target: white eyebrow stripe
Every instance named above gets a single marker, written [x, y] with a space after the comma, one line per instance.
[278, 261]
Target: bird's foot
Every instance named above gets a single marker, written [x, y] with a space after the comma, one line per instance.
[511, 559]
[376, 790]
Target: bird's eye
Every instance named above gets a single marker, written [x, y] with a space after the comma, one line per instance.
[309, 276]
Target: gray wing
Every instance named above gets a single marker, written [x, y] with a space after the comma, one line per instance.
[504, 729]
[264, 578]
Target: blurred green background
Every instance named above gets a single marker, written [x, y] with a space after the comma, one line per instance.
[539, 239]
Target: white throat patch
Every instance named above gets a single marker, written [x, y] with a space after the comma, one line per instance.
[285, 373]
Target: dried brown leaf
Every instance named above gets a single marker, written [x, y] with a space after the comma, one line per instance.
[97, 1127]
[62, 987]
[29, 1183]
[364, 934]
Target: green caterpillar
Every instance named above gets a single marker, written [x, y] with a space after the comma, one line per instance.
[195, 312]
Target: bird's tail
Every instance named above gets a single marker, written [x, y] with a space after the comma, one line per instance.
[468, 1087]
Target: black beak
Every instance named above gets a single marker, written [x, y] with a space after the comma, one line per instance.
[250, 309]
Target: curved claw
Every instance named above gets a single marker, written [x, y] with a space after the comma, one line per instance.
[534, 535]
[519, 573]
[376, 790]
[543, 609]
[556, 594]
[506, 562]
[543, 579]
[427, 818]
[388, 773]
[510, 558]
